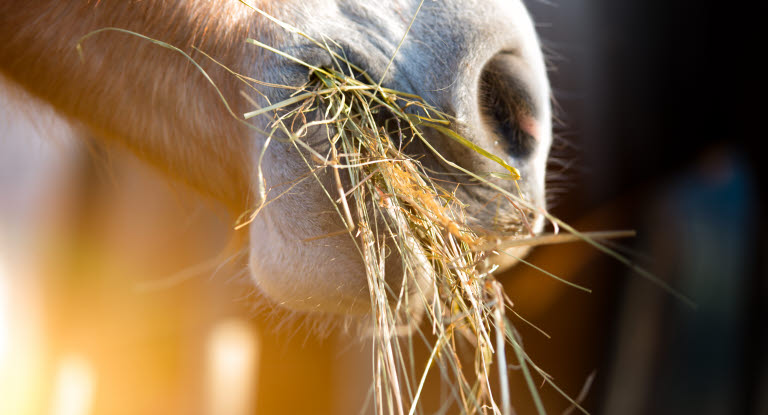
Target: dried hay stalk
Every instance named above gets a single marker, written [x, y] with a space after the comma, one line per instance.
[390, 201]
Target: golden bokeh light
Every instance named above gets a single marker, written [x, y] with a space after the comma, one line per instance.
[74, 386]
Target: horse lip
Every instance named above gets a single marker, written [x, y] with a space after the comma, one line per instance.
[508, 259]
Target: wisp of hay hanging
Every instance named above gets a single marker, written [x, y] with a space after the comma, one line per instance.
[394, 207]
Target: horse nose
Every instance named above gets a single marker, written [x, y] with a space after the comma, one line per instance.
[506, 108]
[487, 71]
[483, 68]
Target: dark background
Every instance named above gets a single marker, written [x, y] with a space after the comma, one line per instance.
[659, 106]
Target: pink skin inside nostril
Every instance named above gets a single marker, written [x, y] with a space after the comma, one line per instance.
[529, 125]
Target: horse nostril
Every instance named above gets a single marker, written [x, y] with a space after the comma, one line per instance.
[506, 106]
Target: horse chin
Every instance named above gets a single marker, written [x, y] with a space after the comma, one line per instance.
[509, 258]
[328, 276]
[321, 276]
[306, 262]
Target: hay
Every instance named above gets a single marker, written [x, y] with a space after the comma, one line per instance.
[388, 200]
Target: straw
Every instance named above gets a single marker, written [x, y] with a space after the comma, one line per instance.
[446, 293]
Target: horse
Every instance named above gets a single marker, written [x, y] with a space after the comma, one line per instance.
[478, 61]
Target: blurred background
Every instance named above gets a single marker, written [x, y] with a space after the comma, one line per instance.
[121, 293]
